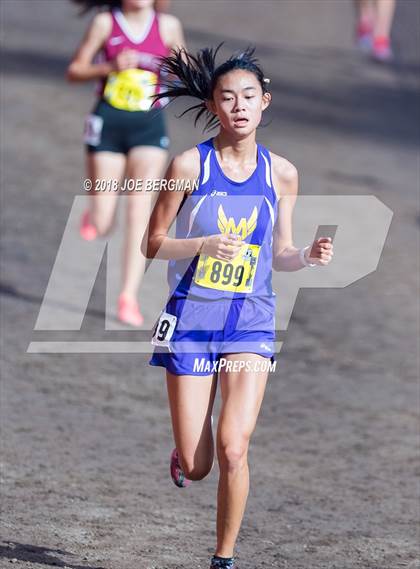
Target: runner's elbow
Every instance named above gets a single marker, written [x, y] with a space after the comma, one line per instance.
[146, 249]
[149, 246]
[277, 265]
[70, 75]
[73, 73]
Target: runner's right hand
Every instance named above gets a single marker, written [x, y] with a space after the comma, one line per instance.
[126, 59]
[224, 247]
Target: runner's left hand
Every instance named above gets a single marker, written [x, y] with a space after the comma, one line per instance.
[126, 59]
[321, 252]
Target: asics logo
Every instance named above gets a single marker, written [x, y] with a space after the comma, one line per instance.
[216, 193]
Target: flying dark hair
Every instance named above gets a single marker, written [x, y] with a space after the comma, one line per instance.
[90, 4]
[197, 75]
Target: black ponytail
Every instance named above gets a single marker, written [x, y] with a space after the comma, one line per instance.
[88, 5]
[197, 75]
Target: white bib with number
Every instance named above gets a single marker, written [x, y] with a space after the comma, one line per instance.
[164, 329]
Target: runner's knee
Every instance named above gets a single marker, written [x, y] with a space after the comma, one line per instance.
[233, 454]
[103, 226]
[138, 211]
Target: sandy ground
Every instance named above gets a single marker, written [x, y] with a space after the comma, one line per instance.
[86, 437]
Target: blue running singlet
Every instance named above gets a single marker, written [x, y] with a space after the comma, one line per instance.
[218, 307]
[221, 205]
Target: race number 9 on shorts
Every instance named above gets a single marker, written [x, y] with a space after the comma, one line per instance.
[236, 275]
[164, 329]
[131, 89]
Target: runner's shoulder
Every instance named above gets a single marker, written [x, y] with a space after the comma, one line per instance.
[170, 27]
[169, 20]
[285, 175]
[186, 165]
[101, 24]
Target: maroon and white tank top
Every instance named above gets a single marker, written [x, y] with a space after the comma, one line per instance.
[132, 89]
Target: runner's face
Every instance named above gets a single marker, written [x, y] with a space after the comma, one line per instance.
[238, 101]
[136, 4]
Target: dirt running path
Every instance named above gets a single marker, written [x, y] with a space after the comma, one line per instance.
[86, 438]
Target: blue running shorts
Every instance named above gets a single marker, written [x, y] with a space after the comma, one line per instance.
[191, 334]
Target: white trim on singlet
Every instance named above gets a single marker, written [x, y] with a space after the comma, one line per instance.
[206, 168]
[270, 207]
[193, 214]
[125, 26]
[267, 171]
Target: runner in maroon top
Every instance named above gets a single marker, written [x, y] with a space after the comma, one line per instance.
[124, 135]
[149, 45]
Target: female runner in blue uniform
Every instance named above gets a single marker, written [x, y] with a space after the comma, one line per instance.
[231, 230]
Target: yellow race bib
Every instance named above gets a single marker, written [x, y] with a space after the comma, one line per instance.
[130, 90]
[236, 275]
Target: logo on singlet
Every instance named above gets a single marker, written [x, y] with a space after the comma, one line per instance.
[245, 226]
[116, 41]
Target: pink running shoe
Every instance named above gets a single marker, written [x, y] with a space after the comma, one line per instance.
[381, 50]
[87, 230]
[176, 471]
[364, 37]
[129, 312]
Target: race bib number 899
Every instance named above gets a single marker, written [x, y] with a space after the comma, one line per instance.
[236, 275]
